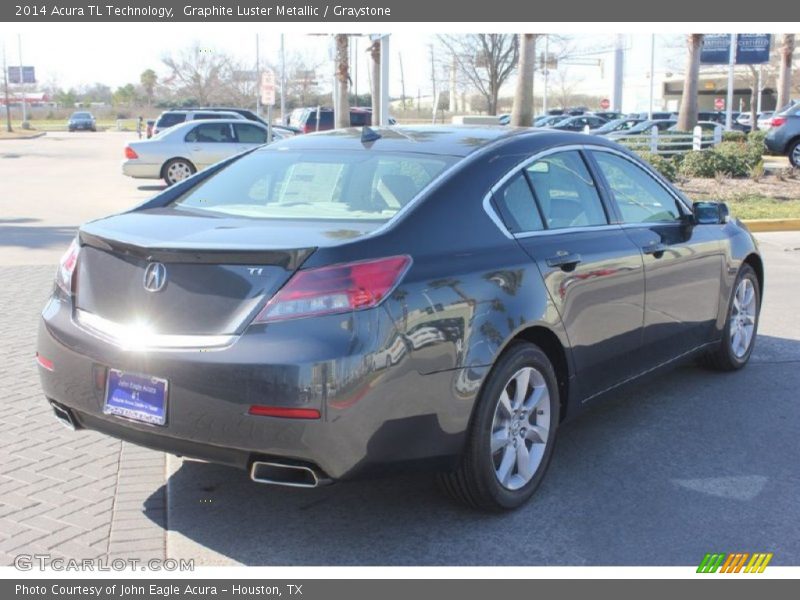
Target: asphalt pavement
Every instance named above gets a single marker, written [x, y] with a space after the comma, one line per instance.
[685, 463]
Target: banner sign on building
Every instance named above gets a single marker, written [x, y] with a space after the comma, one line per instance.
[751, 48]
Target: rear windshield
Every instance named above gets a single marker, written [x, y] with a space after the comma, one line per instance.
[316, 185]
[81, 115]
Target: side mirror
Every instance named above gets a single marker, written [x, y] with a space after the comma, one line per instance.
[710, 213]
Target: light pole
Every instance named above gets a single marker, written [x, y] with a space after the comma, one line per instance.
[22, 82]
[5, 87]
[731, 65]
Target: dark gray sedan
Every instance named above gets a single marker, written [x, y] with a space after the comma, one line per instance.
[357, 302]
[82, 120]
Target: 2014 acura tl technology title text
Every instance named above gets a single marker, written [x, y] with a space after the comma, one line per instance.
[347, 303]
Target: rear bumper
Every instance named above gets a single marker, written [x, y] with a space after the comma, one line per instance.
[140, 170]
[776, 141]
[373, 418]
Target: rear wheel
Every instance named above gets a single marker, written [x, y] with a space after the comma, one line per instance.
[739, 334]
[177, 170]
[512, 435]
[794, 153]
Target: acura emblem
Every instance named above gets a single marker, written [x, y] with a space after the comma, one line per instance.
[155, 277]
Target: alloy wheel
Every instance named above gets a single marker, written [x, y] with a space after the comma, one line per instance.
[520, 428]
[178, 171]
[743, 318]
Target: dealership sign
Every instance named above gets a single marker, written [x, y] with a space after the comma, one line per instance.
[28, 75]
[751, 48]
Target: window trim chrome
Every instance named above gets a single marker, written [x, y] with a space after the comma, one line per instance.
[495, 217]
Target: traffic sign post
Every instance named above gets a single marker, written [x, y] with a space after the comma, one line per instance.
[268, 97]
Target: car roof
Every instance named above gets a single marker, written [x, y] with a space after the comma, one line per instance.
[450, 140]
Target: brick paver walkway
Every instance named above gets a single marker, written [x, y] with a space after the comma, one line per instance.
[64, 493]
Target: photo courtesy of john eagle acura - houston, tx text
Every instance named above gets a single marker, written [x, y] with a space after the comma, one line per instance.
[362, 301]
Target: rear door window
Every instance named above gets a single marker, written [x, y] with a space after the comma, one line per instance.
[565, 191]
[517, 207]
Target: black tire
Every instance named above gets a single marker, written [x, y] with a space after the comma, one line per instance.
[794, 153]
[722, 357]
[475, 482]
[182, 163]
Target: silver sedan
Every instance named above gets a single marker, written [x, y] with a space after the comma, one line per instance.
[181, 151]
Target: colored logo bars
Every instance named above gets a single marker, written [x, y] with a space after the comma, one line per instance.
[735, 562]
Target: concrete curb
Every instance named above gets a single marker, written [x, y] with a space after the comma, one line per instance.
[762, 225]
[25, 137]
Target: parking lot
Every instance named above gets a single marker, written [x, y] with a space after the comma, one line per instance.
[684, 464]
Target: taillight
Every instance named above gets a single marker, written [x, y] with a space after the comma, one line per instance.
[335, 289]
[777, 121]
[66, 267]
[130, 152]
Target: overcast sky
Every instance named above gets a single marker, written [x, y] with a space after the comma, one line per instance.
[116, 53]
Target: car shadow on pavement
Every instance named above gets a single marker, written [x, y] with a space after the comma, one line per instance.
[22, 234]
[687, 462]
[151, 188]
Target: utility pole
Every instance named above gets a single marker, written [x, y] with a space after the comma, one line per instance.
[355, 68]
[435, 98]
[5, 86]
[619, 65]
[22, 82]
[546, 67]
[402, 82]
[258, 78]
[453, 85]
[283, 83]
[652, 73]
[731, 67]
[385, 62]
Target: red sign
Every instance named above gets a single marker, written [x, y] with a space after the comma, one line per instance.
[605, 103]
[719, 103]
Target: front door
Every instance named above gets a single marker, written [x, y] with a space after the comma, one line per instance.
[683, 263]
[209, 143]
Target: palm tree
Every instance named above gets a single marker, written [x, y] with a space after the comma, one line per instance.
[785, 72]
[148, 79]
[687, 116]
[522, 109]
[342, 116]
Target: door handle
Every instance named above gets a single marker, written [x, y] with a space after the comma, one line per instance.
[655, 248]
[566, 261]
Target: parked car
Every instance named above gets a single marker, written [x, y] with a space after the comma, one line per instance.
[549, 121]
[184, 149]
[579, 123]
[784, 134]
[82, 120]
[608, 115]
[622, 124]
[170, 118]
[306, 119]
[765, 119]
[248, 114]
[236, 316]
[657, 115]
[644, 127]
[705, 126]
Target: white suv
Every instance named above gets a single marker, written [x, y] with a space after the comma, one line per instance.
[173, 117]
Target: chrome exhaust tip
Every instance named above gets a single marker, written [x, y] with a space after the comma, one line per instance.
[274, 473]
[64, 416]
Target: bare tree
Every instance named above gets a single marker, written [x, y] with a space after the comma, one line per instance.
[342, 116]
[785, 70]
[199, 73]
[522, 109]
[687, 115]
[486, 60]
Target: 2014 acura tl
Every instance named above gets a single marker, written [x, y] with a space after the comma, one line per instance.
[354, 302]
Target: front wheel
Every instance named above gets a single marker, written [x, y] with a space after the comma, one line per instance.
[512, 435]
[177, 170]
[739, 334]
[794, 154]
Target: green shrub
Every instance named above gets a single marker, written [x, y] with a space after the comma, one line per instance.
[701, 163]
[756, 137]
[663, 164]
[733, 136]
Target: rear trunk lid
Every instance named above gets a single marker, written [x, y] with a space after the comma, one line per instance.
[215, 272]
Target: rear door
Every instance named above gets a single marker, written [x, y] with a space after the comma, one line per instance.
[683, 264]
[209, 143]
[592, 269]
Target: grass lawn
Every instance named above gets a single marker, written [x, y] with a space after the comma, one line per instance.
[770, 198]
